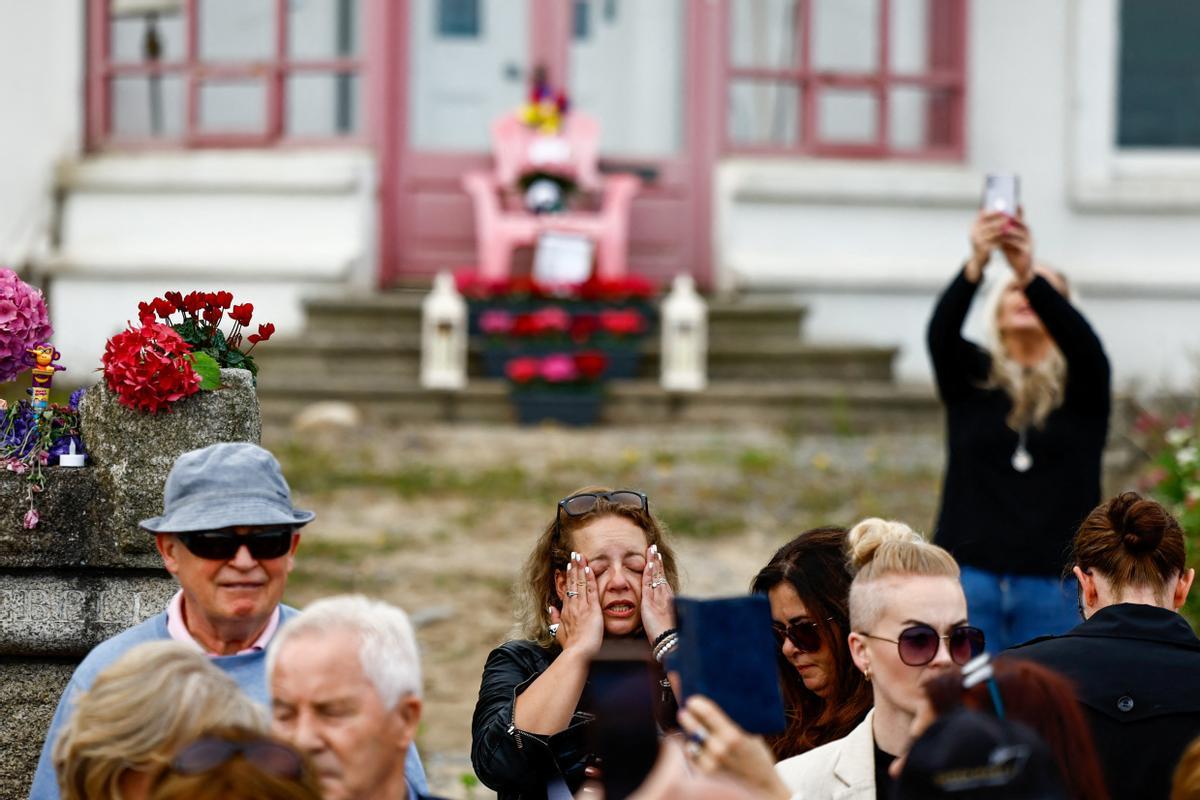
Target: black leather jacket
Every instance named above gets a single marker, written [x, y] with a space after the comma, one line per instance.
[516, 763]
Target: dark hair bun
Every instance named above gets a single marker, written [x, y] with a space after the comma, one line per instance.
[1139, 522]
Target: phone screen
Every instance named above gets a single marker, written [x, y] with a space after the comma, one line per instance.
[1000, 193]
[624, 735]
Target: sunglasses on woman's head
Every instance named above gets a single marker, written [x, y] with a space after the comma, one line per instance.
[211, 752]
[805, 636]
[585, 502]
[919, 644]
[223, 544]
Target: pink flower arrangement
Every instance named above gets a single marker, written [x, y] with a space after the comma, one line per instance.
[495, 322]
[23, 323]
[557, 369]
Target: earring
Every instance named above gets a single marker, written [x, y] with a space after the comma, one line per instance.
[867, 674]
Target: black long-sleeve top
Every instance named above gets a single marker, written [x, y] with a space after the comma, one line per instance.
[992, 516]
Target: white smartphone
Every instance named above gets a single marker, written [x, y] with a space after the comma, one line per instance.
[1000, 193]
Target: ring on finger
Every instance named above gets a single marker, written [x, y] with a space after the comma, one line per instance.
[572, 594]
[694, 749]
[698, 737]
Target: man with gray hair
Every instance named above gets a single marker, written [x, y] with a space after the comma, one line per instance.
[346, 689]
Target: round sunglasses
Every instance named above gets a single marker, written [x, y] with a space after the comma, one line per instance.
[211, 752]
[919, 644]
[805, 635]
[223, 544]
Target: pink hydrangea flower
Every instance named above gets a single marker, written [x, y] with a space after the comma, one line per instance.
[23, 323]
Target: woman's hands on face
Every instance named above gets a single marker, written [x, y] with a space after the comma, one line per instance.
[658, 600]
[718, 745]
[581, 620]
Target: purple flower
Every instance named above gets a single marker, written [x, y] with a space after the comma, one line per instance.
[31, 518]
[495, 322]
[76, 396]
[559, 368]
[63, 445]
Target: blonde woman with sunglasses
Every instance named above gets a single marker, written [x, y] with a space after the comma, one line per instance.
[601, 570]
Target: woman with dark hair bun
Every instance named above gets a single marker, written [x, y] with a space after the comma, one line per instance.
[808, 585]
[1134, 660]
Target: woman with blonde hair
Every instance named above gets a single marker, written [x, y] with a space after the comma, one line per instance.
[908, 623]
[233, 763]
[1026, 422]
[139, 711]
[601, 571]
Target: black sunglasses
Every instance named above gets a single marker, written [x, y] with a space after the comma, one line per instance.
[919, 644]
[579, 504]
[805, 636]
[211, 752]
[223, 544]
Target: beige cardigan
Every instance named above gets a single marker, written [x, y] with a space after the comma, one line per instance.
[840, 770]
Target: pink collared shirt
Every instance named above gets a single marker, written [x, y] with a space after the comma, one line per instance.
[177, 628]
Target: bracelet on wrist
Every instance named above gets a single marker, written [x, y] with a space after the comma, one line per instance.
[659, 639]
[667, 646]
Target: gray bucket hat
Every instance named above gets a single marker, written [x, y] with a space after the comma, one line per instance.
[222, 486]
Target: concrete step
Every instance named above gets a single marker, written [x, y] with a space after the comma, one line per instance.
[399, 312]
[360, 357]
[800, 406]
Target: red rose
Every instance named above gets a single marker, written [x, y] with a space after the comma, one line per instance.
[241, 314]
[522, 370]
[591, 364]
[264, 333]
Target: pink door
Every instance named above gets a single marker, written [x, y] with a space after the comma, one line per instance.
[640, 68]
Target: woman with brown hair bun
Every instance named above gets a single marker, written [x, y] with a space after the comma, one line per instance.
[808, 585]
[1134, 660]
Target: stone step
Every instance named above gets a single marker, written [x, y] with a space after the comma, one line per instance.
[399, 312]
[800, 406]
[360, 357]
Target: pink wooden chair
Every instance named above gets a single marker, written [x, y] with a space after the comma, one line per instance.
[500, 227]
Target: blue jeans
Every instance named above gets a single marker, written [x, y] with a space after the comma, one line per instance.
[1012, 609]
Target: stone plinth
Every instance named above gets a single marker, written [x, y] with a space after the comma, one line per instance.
[87, 572]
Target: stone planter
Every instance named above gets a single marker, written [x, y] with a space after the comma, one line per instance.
[87, 572]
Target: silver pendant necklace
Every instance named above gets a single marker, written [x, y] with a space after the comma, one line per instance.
[1021, 460]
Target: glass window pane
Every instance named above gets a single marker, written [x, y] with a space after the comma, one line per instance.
[920, 118]
[141, 37]
[458, 18]
[1158, 75]
[629, 74]
[324, 29]
[763, 33]
[846, 35]
[234, 106]
[908, 41]
[236, 30]
[323, 105]
[847, 116]
[764, 113]
[147, 106]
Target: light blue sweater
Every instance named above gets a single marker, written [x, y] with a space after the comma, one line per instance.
[249, 670]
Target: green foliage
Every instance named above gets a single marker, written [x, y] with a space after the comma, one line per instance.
[207, 368]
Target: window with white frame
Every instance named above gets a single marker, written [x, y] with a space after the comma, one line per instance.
[873, 78]
[1158, 81]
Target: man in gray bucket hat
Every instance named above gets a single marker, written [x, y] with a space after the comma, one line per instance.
[228, 533]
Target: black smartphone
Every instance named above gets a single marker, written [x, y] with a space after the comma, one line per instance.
[1001, 192]
[624, 735]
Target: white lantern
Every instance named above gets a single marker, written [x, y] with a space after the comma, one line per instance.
[684, 338]
[443, 336]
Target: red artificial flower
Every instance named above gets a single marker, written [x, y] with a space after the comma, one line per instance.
[523, 370]
[241, 314]
[622, 322]
[147, 368]
[264, 333]
[591, 364]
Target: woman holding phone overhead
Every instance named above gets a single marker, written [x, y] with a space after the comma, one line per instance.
[1026, 423]
[601, 570]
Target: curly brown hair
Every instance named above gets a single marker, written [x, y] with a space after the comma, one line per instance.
[535, 590]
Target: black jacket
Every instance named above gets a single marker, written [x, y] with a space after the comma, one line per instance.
[1136, 669]
[516, 763]
[993, 517]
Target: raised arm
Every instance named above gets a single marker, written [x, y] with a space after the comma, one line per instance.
[1088, 372]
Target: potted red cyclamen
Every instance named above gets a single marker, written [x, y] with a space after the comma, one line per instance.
[562, 387]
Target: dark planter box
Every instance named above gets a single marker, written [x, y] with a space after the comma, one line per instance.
[570, 408]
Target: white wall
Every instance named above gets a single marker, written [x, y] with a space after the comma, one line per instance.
[869, 245]
[41, 113]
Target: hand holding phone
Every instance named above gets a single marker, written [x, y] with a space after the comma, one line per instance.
[1001, 193]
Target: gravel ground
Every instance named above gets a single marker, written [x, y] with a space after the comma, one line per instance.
[438, 520]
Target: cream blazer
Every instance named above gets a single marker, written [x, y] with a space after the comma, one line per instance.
[840, 770]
